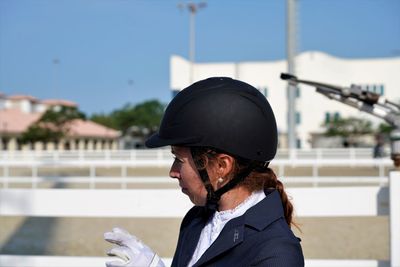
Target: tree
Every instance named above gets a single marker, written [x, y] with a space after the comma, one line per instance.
[385, 128]
[52, 125]
[148, 114]
[348, 128]
[145, 115]
[105, 120]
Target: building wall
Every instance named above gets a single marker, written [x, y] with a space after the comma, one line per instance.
[311, 106]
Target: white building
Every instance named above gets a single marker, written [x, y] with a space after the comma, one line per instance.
[380, 75]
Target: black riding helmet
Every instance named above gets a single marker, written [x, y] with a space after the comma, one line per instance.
[221, 113]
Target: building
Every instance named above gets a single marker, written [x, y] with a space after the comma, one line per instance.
[18, 112]
[379, 75]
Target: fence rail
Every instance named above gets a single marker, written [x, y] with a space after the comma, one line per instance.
[314, 160]
[63, 261]
[123, 182]
[164, 154]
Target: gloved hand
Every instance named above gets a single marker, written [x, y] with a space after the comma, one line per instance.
[130, 250]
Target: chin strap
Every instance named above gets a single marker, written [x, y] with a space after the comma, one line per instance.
[213, 196]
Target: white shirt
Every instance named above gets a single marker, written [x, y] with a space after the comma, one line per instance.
[215, 225]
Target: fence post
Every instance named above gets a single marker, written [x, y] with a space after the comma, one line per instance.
[133, 154]
[34, 176]
[315, 173]
[123, 175]
[6, 175]
[394, 198]
[92, 176]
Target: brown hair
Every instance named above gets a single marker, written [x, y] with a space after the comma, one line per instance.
[260, 178]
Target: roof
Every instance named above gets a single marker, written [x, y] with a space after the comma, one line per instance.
[23, 97]
[61, 102]
[80, 127]
[15, 121]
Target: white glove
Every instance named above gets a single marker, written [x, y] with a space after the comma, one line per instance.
[130, 250]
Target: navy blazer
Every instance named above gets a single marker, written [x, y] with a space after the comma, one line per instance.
[260, 237]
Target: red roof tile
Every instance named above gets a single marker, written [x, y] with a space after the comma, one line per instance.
[22, 97]
[16, 122]
[91, 129]
[61, 102]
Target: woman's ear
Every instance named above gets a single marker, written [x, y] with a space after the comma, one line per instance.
[225, 164]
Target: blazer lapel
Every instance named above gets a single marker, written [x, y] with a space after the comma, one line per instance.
[190, 240]
[231, 236]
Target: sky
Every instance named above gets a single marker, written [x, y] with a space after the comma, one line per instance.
[103, 54]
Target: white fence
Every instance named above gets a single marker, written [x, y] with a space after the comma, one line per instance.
[354, 201]
[94, 181]
[164, 154]
[365, 201]
[314, 159]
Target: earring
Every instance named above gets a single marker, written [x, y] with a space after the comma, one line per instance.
[220, 180]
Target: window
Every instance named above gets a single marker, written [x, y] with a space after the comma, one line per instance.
[331, 116]
[298, 118]
[327, 117]
[297, 92]
[381, 89]
[298, 143]
[336, 116]
[373, 88]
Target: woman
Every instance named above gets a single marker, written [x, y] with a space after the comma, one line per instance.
[223, 135]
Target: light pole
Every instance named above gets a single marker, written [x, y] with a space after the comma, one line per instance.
[56, 62]
[291, 89]
[193, 8]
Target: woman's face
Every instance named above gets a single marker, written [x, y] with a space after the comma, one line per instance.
[189, 179]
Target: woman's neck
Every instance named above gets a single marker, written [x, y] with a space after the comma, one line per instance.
[233, 198]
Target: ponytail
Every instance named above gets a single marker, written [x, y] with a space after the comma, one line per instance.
[267, 179]
[287, 205]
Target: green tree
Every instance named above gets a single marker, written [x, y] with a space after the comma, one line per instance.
[147, 115]
[52, 125]
[349, 128]
[385, 128]
[105, 120]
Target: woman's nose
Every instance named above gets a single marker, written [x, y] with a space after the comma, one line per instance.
[174, 172]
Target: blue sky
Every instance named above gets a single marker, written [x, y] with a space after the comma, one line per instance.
[111, 52]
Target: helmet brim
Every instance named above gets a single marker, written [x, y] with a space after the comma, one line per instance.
[156, 140]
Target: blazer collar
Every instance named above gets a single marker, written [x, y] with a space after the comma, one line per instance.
[265, 212]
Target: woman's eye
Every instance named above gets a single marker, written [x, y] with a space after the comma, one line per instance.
[177, 159]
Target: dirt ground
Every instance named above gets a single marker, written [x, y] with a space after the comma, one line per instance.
[335, 238]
